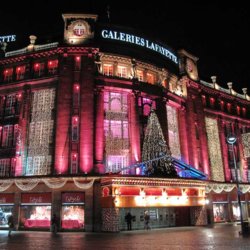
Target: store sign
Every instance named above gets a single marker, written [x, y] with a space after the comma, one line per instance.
[220, 198]
[36, 198]
[140, 41]
[7, 38]
[6, 198]
[73, 197]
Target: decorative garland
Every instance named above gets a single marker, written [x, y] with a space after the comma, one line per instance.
[5, 184]
[218, 188]
[83, 185]
[53, 183]
[26, 185]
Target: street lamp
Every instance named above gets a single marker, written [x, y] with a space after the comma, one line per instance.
[232, 140]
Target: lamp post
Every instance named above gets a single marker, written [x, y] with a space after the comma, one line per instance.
[232, 140]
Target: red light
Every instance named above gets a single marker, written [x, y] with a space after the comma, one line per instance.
[18, 69]
[50, 63]
[76, 119]
[78, 58]
[6, 71]
[37, 65]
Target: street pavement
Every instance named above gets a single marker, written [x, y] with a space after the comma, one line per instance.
[220, 236]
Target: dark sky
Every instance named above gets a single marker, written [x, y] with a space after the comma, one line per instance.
[217, 33]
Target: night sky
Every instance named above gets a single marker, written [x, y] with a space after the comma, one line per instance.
[217, 33]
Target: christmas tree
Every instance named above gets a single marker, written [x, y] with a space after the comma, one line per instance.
[154, 146]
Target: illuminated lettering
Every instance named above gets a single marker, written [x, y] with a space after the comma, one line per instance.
[129, 38]
[7, 39]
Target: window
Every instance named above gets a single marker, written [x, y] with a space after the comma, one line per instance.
[74, 163]
[140, 75]
[7, 136]
[75, 128]
[20, 73]
[39, 69]
[4, 167]
[146, 105]
[10, 104]
[116, 131]
[122, 71]
[52, 67]
[76, 95]
[238, 109]
[229, 107]
[77, 63]
[150, 78]
[108, 70]
[8, 75]
[41, 131]
[222, 106]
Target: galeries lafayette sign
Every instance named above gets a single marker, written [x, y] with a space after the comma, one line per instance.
[7, 38]
[140, 41]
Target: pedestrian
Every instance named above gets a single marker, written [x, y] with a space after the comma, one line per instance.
[146, 220]
[128, 219]
[54, 224]
[11, 224]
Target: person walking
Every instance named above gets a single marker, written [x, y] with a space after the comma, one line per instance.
[128, 219]
[146, 220]
[11, 224]
[54, 224]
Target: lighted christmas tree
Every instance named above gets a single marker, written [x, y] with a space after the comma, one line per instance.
[154, 146]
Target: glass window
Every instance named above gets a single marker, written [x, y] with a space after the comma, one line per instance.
[76, 95]
[75, 128]
[39, 69]
[108, 70]
[150, 78]
[20, 73]
[74, 163]
[4, 167]
[122, 71]
[77, 63]
[140, 75]
[52, 67]
[7, 136]
[116, 131]
[72, 217]
[10, 104]
[8, 75]
[5, 212]
[34, 216]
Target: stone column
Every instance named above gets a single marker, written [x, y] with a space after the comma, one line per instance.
[87, 114]
[134, 130]
[99, 131]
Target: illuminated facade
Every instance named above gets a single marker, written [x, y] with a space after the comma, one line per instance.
[73, 118]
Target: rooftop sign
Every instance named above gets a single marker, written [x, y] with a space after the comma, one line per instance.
[7, 38]
[140, 41]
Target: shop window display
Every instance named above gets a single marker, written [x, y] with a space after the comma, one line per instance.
[35, 216]
[5, 212]
[72, 217]
[219, 212]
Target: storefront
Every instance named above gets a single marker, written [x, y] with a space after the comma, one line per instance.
[220, 207]
[236, 208]
[6, 208]
[169, 203]
[72, 210]
[35, 210]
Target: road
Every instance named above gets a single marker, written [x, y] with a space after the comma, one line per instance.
[221, 237]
